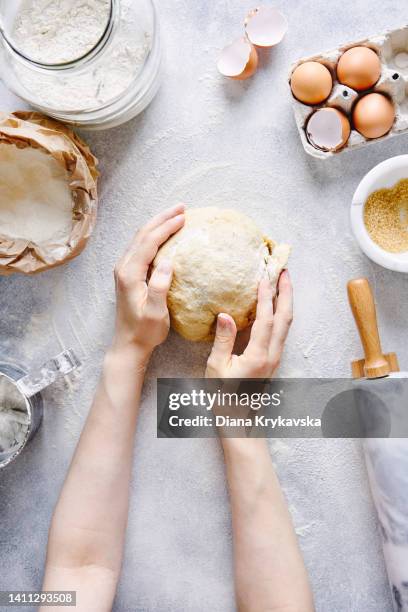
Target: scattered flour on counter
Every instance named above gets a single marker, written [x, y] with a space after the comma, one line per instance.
[13, 416]
[35, 199]
[304, 530]
[59, 31]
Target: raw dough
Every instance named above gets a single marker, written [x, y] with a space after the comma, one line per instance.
[219, 257]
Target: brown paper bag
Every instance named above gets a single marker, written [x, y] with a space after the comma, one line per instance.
[31, 129]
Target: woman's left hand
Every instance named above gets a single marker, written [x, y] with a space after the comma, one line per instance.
[142, 317]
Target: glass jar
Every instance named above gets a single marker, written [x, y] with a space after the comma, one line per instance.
[111, 79]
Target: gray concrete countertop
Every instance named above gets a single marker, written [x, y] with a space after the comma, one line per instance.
[208, 141]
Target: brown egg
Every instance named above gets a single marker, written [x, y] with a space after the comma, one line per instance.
[311, 82]
[373, 115]
[359, 68]
[328, 129]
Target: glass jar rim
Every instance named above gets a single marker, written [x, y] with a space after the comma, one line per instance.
[85, 57]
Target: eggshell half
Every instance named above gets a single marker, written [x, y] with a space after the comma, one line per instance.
[328, 129]
[265, 26]
[239, 60]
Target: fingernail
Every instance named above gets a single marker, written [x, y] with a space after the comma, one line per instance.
[222, 321]
[285, 275]
[165, 266]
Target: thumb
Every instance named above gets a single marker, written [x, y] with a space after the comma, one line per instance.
[224, 339]
[159, 286]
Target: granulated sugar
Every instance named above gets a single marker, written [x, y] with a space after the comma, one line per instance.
[386, 217]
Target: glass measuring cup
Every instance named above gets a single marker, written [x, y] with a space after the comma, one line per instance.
[28, 386]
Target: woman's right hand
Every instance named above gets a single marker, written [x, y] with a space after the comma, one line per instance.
[262, 355]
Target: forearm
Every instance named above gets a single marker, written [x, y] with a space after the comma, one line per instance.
[269, 570]
[89, 521]
[87, 533]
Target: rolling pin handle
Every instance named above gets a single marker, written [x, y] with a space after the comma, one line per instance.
[363, 308]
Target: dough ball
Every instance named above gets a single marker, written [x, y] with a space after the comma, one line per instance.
[219, 257]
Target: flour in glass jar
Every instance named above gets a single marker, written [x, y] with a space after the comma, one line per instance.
[60, 31]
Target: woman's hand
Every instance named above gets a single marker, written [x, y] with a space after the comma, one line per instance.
[262, 355]
[142, 318]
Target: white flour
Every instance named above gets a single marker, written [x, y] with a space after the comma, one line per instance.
[45, 30]
[35, 199]
[13, 416]
[58, 31]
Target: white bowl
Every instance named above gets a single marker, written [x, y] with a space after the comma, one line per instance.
[385, 175]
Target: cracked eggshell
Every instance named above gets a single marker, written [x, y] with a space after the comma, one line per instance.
[219, 256]
[239, 60]
[265, 26]
[328, 129]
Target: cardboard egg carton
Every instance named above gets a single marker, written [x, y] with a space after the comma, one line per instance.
[392, 48]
